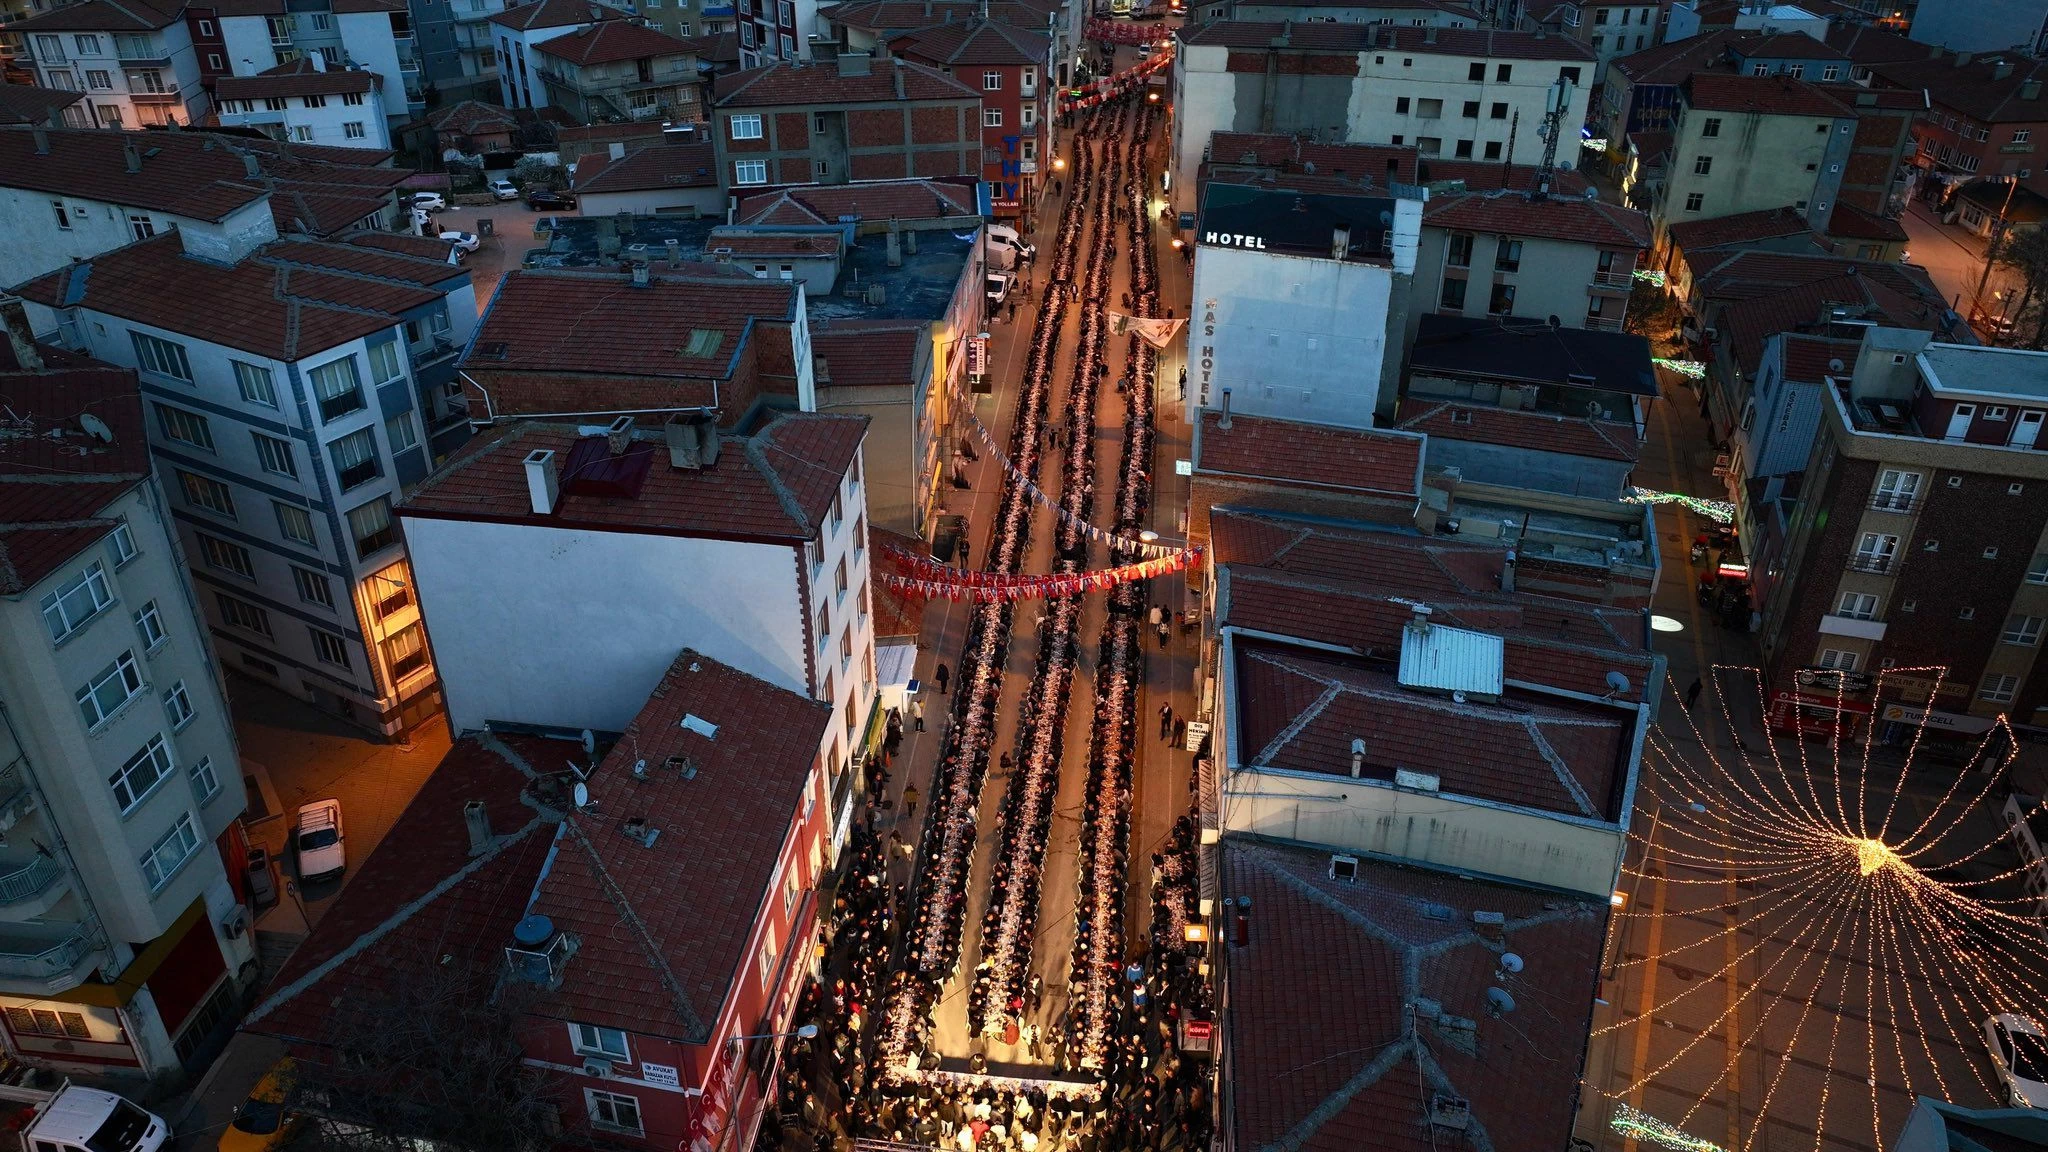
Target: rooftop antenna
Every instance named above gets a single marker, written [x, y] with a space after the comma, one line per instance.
[1556, 102]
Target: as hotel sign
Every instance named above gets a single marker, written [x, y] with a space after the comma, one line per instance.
[1234, 240]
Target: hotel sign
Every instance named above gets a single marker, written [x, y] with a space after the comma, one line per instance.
[1234, 240]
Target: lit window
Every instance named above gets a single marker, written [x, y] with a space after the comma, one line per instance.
[161, 357]
[590, 1040]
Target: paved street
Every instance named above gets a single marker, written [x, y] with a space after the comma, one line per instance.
[1953, 257]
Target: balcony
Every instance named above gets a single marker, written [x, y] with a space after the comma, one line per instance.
[45, 957]
[1614, 281]
[1603, 324]
[32, 888]
[1901, 502]
[1876, 565]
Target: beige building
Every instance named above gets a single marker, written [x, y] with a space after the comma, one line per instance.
[1746, 143]
[1516, 255]
[619, 68]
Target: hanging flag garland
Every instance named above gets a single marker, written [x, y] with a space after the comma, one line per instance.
[930, 579]
[1096, 91]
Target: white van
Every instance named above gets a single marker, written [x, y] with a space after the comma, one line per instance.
[76, 1119]
[1005, 237]
[998, 288]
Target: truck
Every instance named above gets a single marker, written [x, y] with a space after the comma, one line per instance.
[74, 1118]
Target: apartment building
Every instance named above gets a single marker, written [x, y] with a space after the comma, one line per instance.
[253, 37]
[135, 64]
[619, 68]
[1457, 93]
[520, 30]
[868, 25]
[1510, 254]
[473, 883]
[124, 943]
[1747, 143]
[69, 195]
[293, 387]
[1010, 67]
[1919, 541]
[306, 103]
[458, 46]
[856, 118]
[1986, 115]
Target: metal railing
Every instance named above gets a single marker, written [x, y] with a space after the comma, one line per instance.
[1876, 565]
[1614, 279]
[30, 880]
[54, 960]
[1603, 323]
[1894, 502]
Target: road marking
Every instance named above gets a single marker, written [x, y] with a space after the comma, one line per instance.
[1646, 1003]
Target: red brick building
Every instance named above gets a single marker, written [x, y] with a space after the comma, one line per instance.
[854, 119]
[658, 933]
[1986, 115]
[1010, 68]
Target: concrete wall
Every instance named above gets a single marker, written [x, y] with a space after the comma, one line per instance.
[367, 38]
[1758, 162]
[708, 202]
[183, 99]
[1292, 337]
[248, 43]
[1554, 279]
[38, 242]
[328, 124]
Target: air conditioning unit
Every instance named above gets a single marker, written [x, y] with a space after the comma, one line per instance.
[600, 1068]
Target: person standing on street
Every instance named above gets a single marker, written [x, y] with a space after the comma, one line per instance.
[917, 713]
[1165, 720]
[941, 675]
[910, 802]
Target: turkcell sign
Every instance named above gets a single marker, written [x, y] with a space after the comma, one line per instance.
[1234, 240]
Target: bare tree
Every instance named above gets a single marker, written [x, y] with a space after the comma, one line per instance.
[2025, 251]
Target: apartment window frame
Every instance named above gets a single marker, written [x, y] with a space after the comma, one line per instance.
[748, 173]
[255, 383]
[1999, 688]
[275, 455]
[187, 428]
[161, 357]
[1702, 165]
[1838, 660]
[1710, 128]
[1695, 201]
[991, 117]
[405, 651]
[121, 542]
[355, 459]
[330, 648]
[149, 624]
[2037, 571]
[590, 1040]
[749, 121]
[991, 81]
[158, 869]
[128, 784]
[1857, 606]
[226, 556]
[238, 613]
[338, 388]
[205, 781]
[1458, 251]
[1507, 255]
[178, 706]
[58, 606]
[313, 587]
[370, 543]
[289, 519]
[2022, 629]
[97, 705]
[614, 1111]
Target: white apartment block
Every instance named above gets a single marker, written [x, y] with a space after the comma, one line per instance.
[290, 395]
[306, 103]
[123, 942]
[520, 30]
[374, 36]
[135, 64]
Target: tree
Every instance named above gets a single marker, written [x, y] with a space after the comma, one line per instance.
[2025, 251]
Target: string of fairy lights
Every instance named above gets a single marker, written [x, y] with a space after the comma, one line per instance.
[1853, 912]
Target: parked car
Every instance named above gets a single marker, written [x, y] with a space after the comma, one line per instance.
[432, 200]
[319, 840]
[463, 241]
[75, 1118]
[262, 1123]
[503, 189]
[549, 200]
[998, 287]
[2019, 1051]
[262, 882]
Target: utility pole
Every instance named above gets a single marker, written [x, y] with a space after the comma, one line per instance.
[2012, 184]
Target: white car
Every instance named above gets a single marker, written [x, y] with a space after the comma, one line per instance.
[433, 200]
[503, 189]
[2019, 1050]
[463, 241]
[319, 840]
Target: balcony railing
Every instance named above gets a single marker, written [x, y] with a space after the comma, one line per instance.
[1873, 564]
[30, 880]
[40, 960]
[1622, 280]
[341, 404]
[1603, 323]
[1894, 502]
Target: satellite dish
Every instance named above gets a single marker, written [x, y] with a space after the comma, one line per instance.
[1836, 365]
[95, 427]
[581, 794]
[1617, 683]
[1499, 1002]
[1592, 408]
[1509, 962]
[589, 742]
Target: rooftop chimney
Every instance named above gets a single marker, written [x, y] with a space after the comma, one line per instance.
[543, 487]
[854, 63]
[895, 253]
[1241, 922]
[1507, 571]
[619, 435]
[14, 317]
[1357, 757]
[2030, 90]
[251, 167]
[1224, 420]
[641, 278]
[2001, 70]
[1420, 621]
[132, 154]
[478, 820]
[900, 94]
[42, 136]
[1340, 242]
[1429, 34]
[1963, 59]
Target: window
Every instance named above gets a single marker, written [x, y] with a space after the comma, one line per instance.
[1029, 116]
[303, 133]
[1896, 491]
[1502, 302]
[1795, 71]
[99, 80]
[184, 427]
[1461, 250]
[110, 687]
[294, 523]
[1429, 145]
[991, 81]
[227, 557]
[385, 363]
[313, 587]
[392, 593]
[1429, 109]
[768, 956]
[205, 780]
[615, 1111]
[1503, 73]
[750, 172]
[1857, 606]
[609, 1043]
[1999, 689]
[141, 225]
[275, 455]
[242, 614]
[399, 431]
[1693, 200]
[1701, 165]
[1712, 127]
[353, 130]
[352, 99]
[1028, 81]
[63, 217]
[69, 608]
[1967, 614]
[329, 648]
[1831, 73]
[170, 853]
[255, 384]
[122, 544]
[178, 706]
[846, 648]
[1453, 295]
[1508, 256]
[161, 357]
[839, 579]
[1571, 74]
[1874, 552]
[133, 780]
[406, 651]
[2015, 488]
[1837, 660]
[2037, 572]
[824, 625]
[1401, 106]
[316, 101]
[991, 117]
[150, 623]
[44, 1022]
[746, 127]
[1471, 110]
[337, 387]
[355, 459]
[1463, 151]
[372, 528]
[1476, 72]
[2022, 630]
[110, 115]
[1991, 553]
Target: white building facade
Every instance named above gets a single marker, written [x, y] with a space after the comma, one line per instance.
[304, 103]
[132, 75]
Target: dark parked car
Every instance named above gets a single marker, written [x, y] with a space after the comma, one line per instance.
[542, 199]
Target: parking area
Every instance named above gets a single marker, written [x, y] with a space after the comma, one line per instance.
[511, 234]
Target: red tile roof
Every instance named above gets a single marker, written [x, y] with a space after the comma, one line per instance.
[297, 78]
[973, 42]
[1363, 459]
[421, 246]
[555, 14]
[548, 320]
[101, 16]
[882, 17]
[55, 476]
[1741, 228]
[777, 484]
[1673, 61]
[291, 299]
[421, 896]
[1778, 95]
[1321, 1001]
[1788, 46]
[691, 899]
[715, 47]
[612, 41]
[651, 168]
[1346, 37]
[474, 117]
[1868, 44]
[1529, 431]
[1976, 89]
[791, 83]
[1855, 223]
[862, 356]
[27, 104]
[881, 200]
[1572, 218]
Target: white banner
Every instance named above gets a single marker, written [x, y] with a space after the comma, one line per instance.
[1156, 332]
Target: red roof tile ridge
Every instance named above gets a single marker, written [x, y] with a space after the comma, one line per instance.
[686, 1012]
